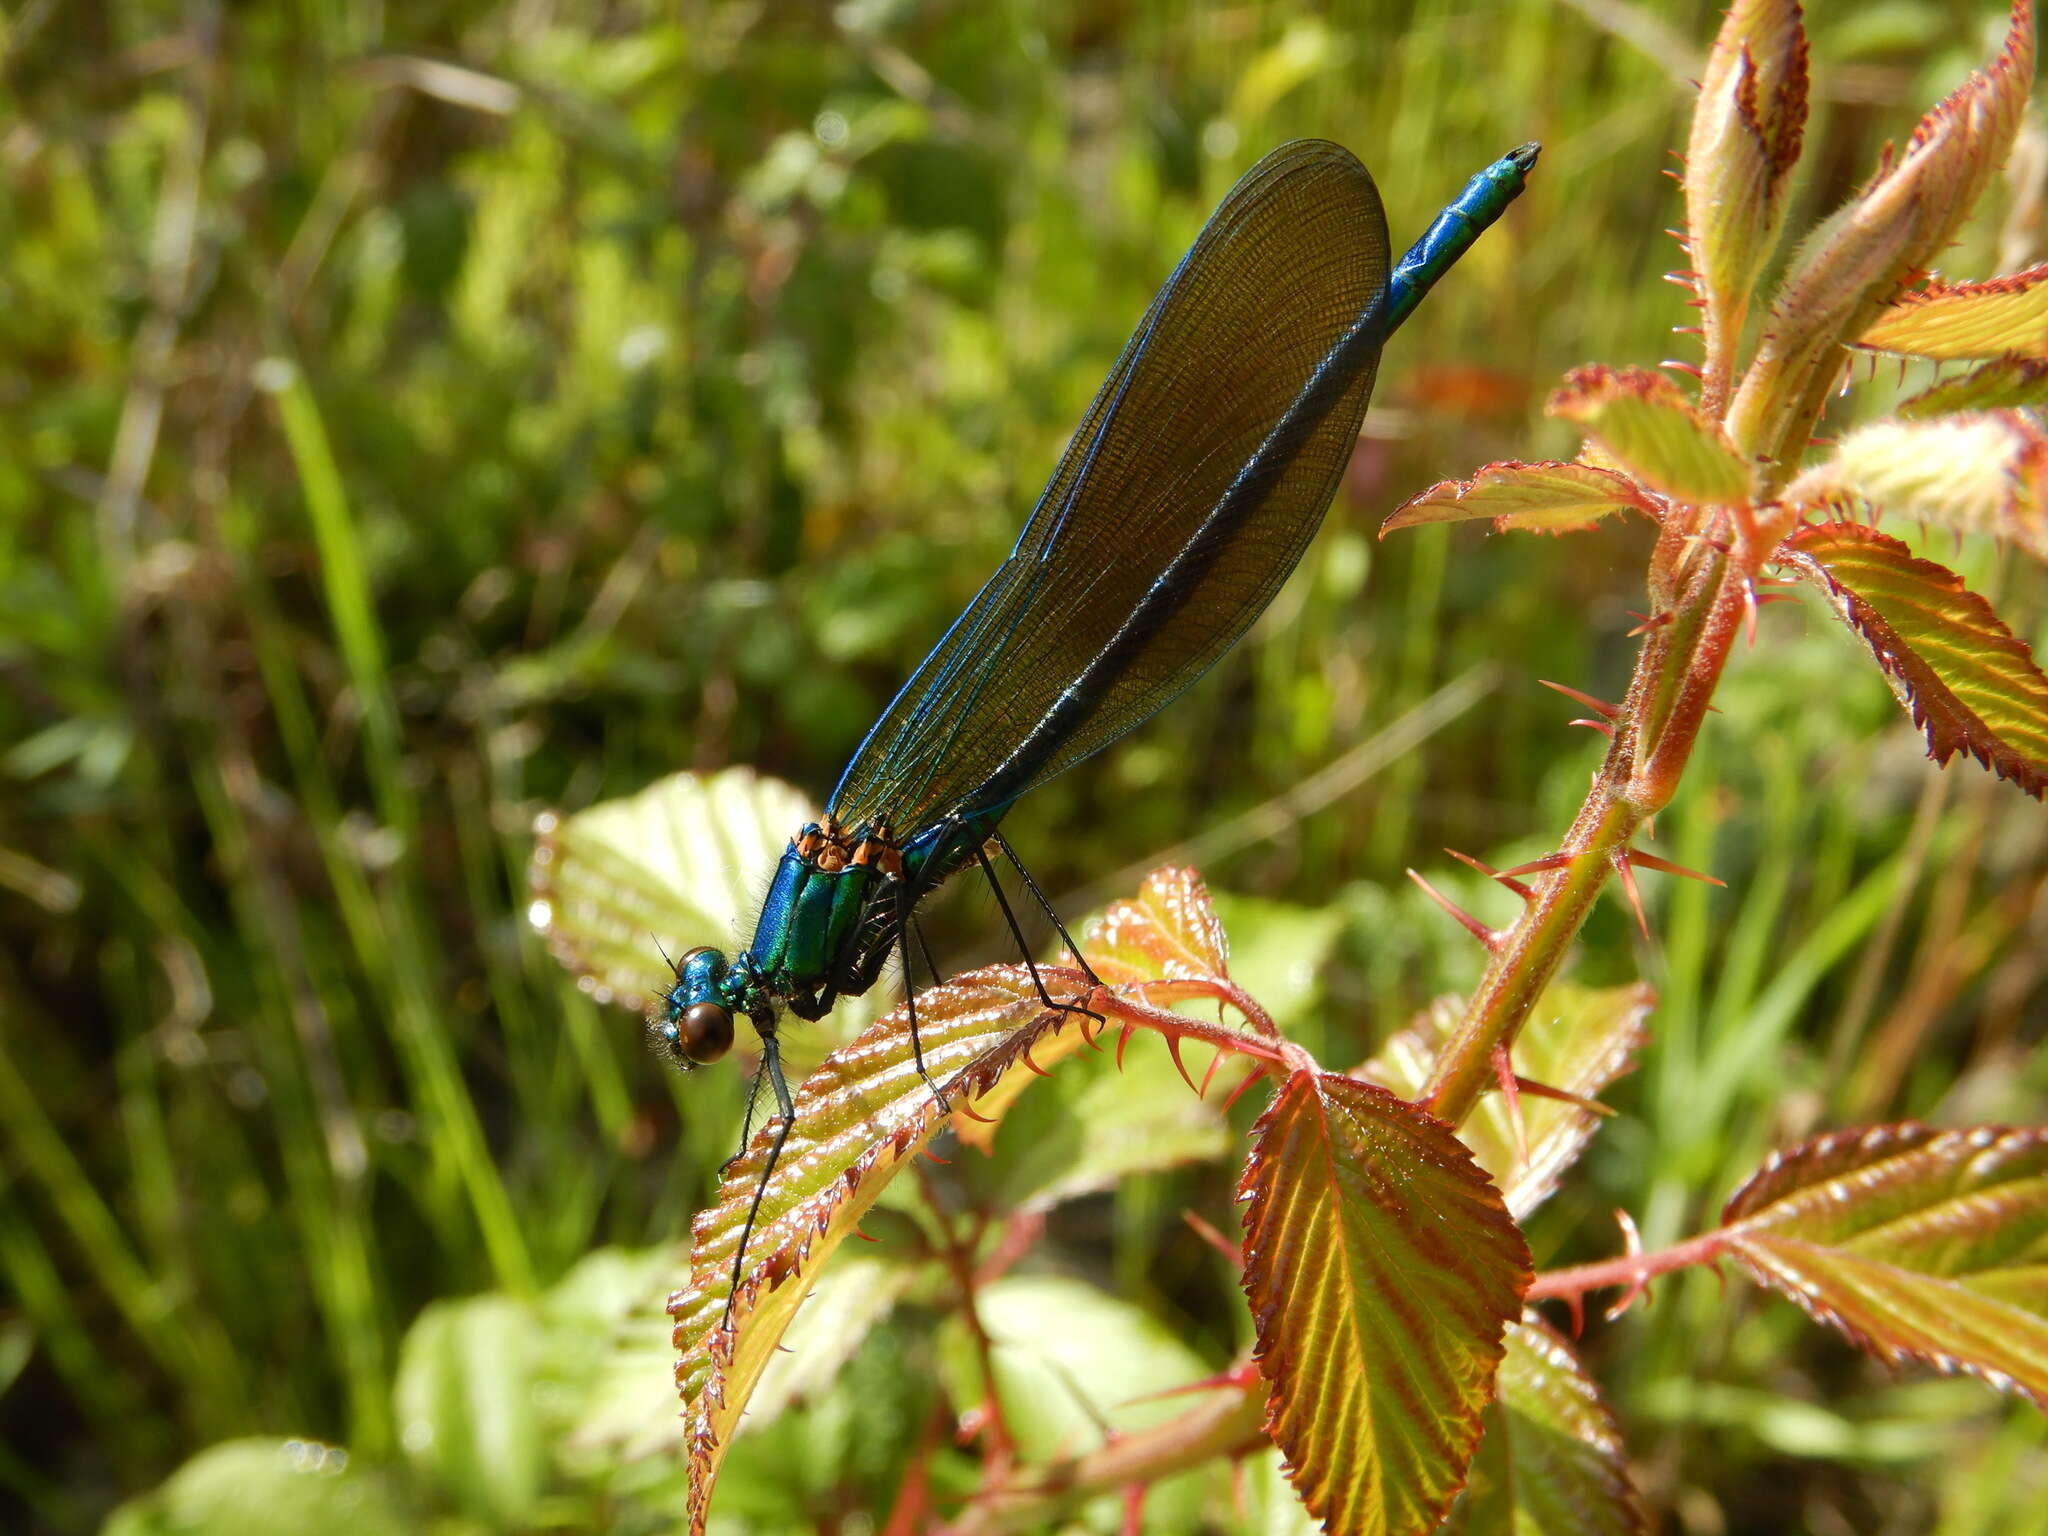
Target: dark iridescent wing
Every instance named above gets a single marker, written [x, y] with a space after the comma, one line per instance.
[1193, 485]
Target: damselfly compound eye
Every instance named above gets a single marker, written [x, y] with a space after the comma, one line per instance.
[704, 1033]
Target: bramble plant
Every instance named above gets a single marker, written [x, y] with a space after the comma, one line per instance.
[1395, 1362]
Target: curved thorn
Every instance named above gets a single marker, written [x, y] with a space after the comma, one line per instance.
[1123, 1040]
[1628, 884]
[1491, 873]
[1549, 861]
[1173, 1050]
[1598, 706]
[1238, 1092]
[1640, 1286]
[1504, 1074]
[1209, 1076]
[1464, 919]
[1644, 860]
[1034, 1066]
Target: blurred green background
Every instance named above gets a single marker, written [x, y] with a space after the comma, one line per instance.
[413, 416]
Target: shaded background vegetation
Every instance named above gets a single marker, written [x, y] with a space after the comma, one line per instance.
[414, 416]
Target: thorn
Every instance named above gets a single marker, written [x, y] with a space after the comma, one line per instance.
[1510, 1089]
[1123, 1039]
[1134, 1509]
[1491, 873]
[1749, 614]
[1598, 706]
[1578, 1305]
[1666, 867]
[1688, 330]
[1537, 1090]
[967, 1109]
[1634, 1248]
[1213, 1238]
[865, 1236]
[943, 1162]
[1173, 1050]
[1628, 884]
[1649, 623]
[1466, 920]
[1549, 861]
[1034, 1066]
[1209, 1076]
[1595, 725]
[1081, 1023]
[1238, 1092]
[1686, 368]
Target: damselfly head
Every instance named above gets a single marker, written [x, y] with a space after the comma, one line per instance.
[695, 1024]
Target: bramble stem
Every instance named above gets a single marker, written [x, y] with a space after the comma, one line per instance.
[1631, 1269]
[1676, 672]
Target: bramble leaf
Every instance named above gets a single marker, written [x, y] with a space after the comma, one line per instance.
[1578, 1039]
[2005, 381]
[1545, 497]
[859, 1118]
[1646, 423]
[1746, 134]
[1168, 932]
[1970, 684]
[1916, 1242]
[1552, 1462]
[1981, 472]
[678, 864]
[675, 863]
[1383, 1271]
[1955, 321]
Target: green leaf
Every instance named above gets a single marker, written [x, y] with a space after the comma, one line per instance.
[1916, 1242]
[1546, 497]
[1981, 472]
[678, 864]
[466, 1405]
[1970, 684]
[261, 1487]
[1578, 1039]
[610, 1358]
[1747, 128]
[1383, 1272]
[2004, 381]
[859, 1118]
[1071, 1362]
[1654, 433]
[1553, 1462]
[1954, 321]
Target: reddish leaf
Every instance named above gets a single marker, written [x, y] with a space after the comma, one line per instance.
[1553, 1462]
[1544, 498]
[1918, 1243]
[1383, 1271]
[1169, 932]
[1654, 433]
[1969, 682]
[859, 1117]
[1952, 321]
